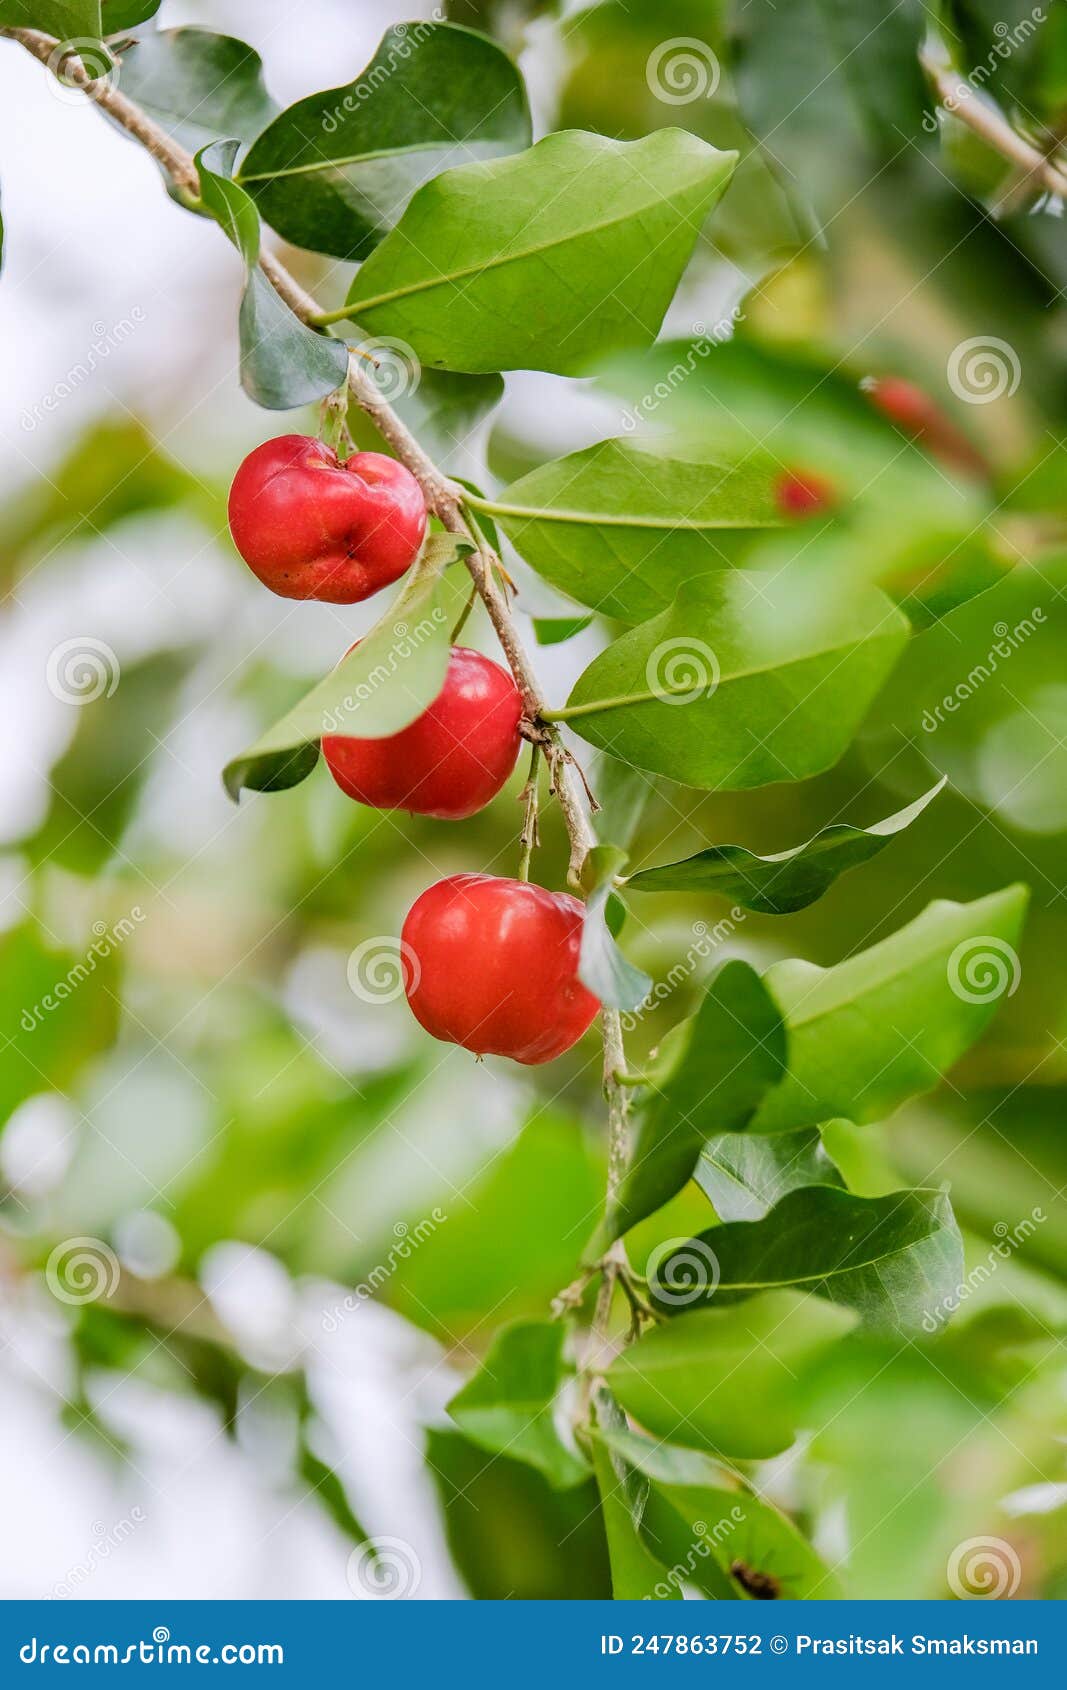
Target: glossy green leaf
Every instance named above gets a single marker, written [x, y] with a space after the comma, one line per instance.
[885, 1025]
[556, 630]
[602, 966]
[379, 687]
[725, 1527]
[127, 14]
[621, 529]
[507, 1407]
[788, 880]
[729, 1379]
[67, 20]
[283, 362]
[636, 1575]
[334, 171]
[548, 260]
[897, 1260]
[726, 1058]
[198, 86]
[740, 683]
[746, 1174]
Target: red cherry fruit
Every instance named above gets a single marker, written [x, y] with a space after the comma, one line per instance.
[492, 965]
[313, 528]
[452, 760]
[801, 492]
[918, 415]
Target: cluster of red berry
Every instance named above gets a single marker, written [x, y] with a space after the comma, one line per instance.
[489, 963]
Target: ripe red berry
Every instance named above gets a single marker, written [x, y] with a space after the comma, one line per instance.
[800, 493]
[916, 414]
[452, 760]
[313, 528]
[492, 965]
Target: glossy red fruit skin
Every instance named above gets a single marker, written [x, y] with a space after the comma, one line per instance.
[918, 415]
[450, 762]
[492, 965]
[800, 493]
[313, 528]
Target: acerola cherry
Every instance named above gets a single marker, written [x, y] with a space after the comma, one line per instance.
[452, 760]
[800, 492]
[918, 415]
[313, 528]
[492, 965]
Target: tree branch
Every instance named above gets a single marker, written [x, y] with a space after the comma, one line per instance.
[445, 499]
[957, 96]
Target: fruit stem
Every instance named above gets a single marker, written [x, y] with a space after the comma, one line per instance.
[530, 835]
[461, 621]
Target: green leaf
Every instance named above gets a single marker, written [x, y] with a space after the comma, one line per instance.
[57, 1008]
[335, 171]
[127, 14]
[788, 880]
[602, 966]
[622, 529]
[548, 260]
[729, 1054]
[555, 630]
[740, 683]
[758, 1548]
[283, 362]
[885, 1025]
[67, 20]
[729, 1379]
[636, 1575]
[746, 1174]
[379, 687]
[622, 793]
[507, 1406]
[897, 1260]
[198, 86]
